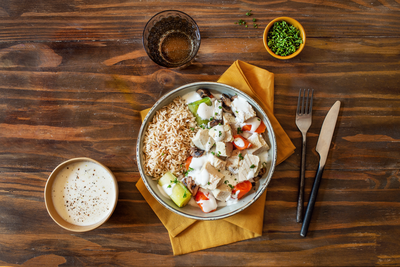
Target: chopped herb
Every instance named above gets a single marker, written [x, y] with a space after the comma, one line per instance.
[191, 128]
[252, 166]
[235, 179]
[220, 133]
[211, 118]
[258, 119]
[226, 181]
[212, 152]
[231, 186]
[219, 170]
[264, 164]
[239, 130]
[246, 26]
[283, 38]
[216, 113]
[249, 13]
[208, 183]
[254, 19]
[169, 186]
[162, 154]
[181, 165]
[237, 111]
[174, 181]
[184, 194]
[240, 156]
[220, 107]
[219, 123]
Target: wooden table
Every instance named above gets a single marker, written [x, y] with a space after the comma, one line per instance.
[74, 76]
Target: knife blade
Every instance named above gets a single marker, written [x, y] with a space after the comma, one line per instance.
[323, 144]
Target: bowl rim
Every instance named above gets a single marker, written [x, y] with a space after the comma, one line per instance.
[165, 11]
[49, 201]
[151, 113]
[287, 19]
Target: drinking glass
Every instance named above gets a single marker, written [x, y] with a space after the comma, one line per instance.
[171, 38]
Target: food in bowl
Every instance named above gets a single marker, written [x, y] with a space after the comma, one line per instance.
[206, 149]
[283, 38]
[81, 194]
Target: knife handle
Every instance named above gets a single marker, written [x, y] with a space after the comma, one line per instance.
[311, 201]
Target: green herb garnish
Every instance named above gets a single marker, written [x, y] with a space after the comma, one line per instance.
[248, 13]
[283, 38]
[184, 194]
[252, 166]
[231, 186]
[220, 133]
[239, 130]
[169, 186]
[191, 128]
[240, 156]
[226, 181]
[174, 181]
[208, 183]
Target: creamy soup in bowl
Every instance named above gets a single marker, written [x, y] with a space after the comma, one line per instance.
[81, 194]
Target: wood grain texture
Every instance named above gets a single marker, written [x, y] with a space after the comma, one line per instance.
[74, 76]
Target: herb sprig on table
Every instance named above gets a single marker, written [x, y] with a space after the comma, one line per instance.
[283, 38]
[243, 22]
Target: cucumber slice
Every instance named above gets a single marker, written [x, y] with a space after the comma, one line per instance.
[180, 195]
[194, 106]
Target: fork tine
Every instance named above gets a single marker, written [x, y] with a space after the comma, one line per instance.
[298, 103]
[312, 96]
[302, 102]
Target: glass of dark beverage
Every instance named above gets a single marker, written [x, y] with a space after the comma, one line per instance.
[171, 38]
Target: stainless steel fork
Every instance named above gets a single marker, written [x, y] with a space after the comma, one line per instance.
[303, 122]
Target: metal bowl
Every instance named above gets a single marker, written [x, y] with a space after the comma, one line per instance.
[195, 212]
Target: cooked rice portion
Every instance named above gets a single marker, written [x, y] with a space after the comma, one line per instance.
[167, 139]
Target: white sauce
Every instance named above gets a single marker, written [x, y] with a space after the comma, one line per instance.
[254, 122]
[83, 193]
[205, 111]
[251, 173]
[202, 178]
[162, 191]
[239, 142]
[168, 188]
[210, 204]
[240, 107]
[191, 97]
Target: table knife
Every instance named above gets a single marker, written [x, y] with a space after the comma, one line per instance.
[323, 144]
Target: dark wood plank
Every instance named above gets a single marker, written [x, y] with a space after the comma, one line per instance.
[74, 77]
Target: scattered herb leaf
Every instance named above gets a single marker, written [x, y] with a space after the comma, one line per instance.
[252, 166]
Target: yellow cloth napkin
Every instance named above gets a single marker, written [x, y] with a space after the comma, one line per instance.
[188, 235]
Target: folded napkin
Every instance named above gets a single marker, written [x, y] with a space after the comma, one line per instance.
[188, 235]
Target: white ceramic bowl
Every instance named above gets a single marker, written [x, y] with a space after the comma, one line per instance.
[195, 212]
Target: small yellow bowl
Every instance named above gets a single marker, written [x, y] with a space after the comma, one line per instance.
[290, 21]
[88, 179]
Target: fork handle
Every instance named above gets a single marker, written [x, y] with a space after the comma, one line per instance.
[300, 200]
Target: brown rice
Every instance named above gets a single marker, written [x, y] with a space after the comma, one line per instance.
[167, 139]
